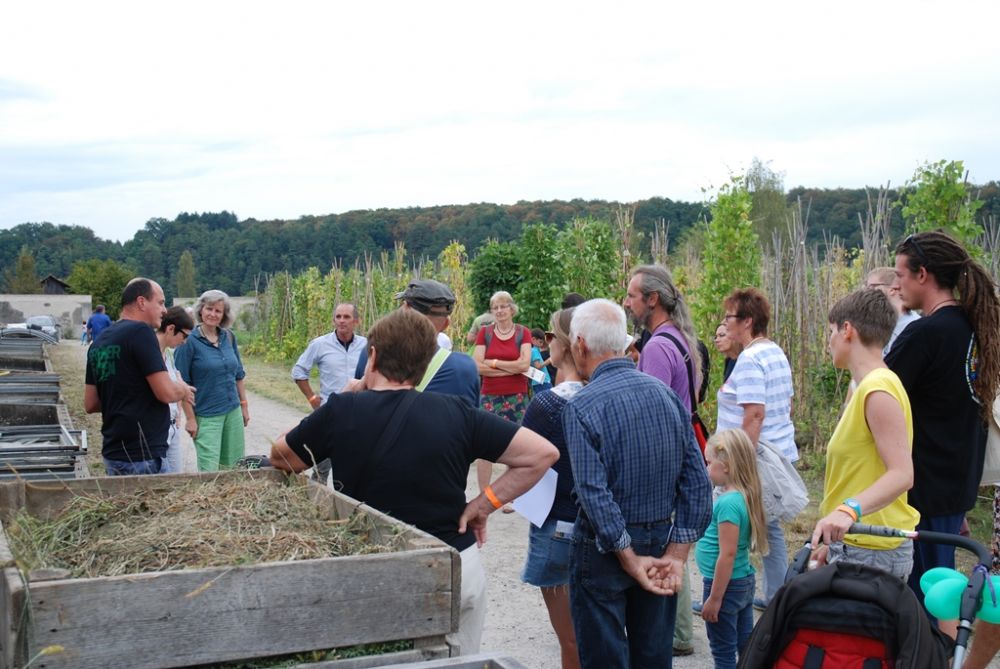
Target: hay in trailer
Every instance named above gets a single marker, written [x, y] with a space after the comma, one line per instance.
[214, 523]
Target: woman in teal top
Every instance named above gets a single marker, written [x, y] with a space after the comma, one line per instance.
[723, 553]
[210, 361]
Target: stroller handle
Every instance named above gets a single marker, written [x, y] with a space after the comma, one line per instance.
[983, 554]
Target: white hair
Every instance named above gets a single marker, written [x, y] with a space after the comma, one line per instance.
[601, 323]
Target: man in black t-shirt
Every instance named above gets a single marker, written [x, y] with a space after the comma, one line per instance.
[947, 362]
[418, 473]
[127, 381]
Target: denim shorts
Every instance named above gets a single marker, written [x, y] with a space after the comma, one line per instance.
[549, 549]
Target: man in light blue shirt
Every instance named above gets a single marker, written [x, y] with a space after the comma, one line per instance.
[335, 355]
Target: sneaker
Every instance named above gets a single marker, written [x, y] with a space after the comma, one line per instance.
[680, 652]
[759, 604]
[696, 607]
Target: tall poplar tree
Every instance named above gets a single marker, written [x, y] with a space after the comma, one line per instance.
[186, 286]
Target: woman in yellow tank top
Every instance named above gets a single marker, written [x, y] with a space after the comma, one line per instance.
[869, 468]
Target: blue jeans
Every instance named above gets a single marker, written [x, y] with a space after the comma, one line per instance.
[618, 624]
[776, 560]
[730, 634]
[126, 468]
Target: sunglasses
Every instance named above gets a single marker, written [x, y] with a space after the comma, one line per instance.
[549, 336]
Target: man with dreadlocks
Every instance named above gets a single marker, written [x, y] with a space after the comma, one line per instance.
[949, 363]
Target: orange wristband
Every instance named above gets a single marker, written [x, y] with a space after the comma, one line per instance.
[490, 495]
[849, 511]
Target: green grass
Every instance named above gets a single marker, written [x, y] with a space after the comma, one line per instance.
[273, 380]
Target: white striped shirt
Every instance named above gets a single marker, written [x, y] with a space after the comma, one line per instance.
[762, 376]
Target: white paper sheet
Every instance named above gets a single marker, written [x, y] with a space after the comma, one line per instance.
[537, 502]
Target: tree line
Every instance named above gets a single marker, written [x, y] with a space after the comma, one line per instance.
[196, 251]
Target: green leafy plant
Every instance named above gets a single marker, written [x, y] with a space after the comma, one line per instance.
[938, 196]
[494, 268]
[538, 259]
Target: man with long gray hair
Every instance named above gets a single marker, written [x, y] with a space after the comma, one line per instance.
[643, 493]
[671, 355]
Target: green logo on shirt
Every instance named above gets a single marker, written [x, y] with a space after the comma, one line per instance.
[103, 361]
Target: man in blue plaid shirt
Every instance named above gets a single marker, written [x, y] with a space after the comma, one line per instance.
[636, 465]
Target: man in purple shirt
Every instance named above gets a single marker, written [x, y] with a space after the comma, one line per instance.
[656, 305]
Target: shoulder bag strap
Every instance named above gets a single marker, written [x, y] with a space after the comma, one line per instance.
[433, 367]
[687, 363]
[487, 337]
[385, 441]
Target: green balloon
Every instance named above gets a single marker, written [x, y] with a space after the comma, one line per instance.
[934, 576]
[944, 597]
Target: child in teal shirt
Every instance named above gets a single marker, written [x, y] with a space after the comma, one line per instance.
[723, 553]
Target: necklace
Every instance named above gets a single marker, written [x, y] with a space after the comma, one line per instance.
[504, 333]
[939, 304]
[755, 340]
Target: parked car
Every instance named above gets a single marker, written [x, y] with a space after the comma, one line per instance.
[46, 324]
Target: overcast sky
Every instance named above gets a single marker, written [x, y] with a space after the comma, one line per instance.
[112, 113]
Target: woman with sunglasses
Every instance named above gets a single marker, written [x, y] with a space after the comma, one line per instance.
[549, 546]
[174, 330]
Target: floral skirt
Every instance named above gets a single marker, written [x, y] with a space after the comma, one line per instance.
[510, 407]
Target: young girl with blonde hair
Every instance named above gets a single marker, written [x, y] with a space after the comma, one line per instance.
[723, 554]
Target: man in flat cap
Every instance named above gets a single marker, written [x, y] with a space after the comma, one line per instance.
[449, 372]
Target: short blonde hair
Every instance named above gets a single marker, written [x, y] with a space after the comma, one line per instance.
[504, 296]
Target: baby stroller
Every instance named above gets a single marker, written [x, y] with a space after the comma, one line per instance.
[852, 616]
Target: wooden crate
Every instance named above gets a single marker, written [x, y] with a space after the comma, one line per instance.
[199, 616]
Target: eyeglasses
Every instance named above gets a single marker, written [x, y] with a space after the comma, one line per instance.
[184, 333]
[498, 307]
[912, 239]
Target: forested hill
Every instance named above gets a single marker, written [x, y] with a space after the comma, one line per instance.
[231, 254]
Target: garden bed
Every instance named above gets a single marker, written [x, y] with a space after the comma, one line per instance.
[178, 616]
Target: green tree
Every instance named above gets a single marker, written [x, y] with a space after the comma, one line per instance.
[731, 256]
[186, 286]
[104, 280]
[590, 258]
[769, 208]
[938, 196]
[494, 268]
[24, 279]
[538, 258]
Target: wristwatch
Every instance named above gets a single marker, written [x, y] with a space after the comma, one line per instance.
[855, 506]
